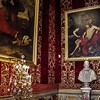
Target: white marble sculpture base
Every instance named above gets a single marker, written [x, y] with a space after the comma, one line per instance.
[86, 93]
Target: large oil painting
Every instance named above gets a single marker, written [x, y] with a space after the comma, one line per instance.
[82, 34]
[17, 28]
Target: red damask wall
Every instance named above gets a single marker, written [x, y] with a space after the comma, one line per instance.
[51, 43]
[70, 70]
[6, 70]
[52, 69]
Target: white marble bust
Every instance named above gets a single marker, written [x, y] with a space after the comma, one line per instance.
[87, 74]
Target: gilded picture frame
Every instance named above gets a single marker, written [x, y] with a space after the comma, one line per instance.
[19, 29]
[82, 34]
[98, 97]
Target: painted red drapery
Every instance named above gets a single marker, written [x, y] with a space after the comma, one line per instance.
[4, 25]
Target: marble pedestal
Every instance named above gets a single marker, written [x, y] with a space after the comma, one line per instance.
[86, 93]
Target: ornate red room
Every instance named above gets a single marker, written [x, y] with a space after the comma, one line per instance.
[42, 52]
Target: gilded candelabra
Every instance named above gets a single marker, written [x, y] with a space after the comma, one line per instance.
[22, 81]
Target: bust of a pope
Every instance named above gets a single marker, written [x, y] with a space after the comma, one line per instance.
[87, 74]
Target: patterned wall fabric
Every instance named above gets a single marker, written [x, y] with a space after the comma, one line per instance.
[49, 52]
[51, 44]
[70, 70]
[37, 75]
[65, 66]
[50, 68]
[91, 2]
[7, 70]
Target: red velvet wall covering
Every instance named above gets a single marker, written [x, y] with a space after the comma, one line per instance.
[76, 5]
[48, 28]
[78, 68]
[63, 72]
[45, 32]
[70, 70]
[6, 71]
[58, 41]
